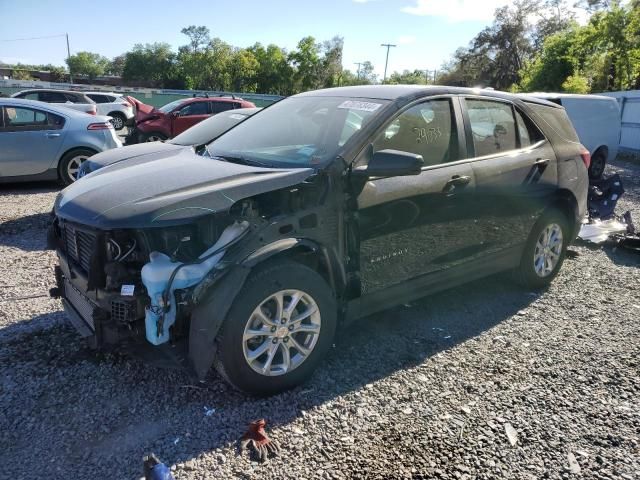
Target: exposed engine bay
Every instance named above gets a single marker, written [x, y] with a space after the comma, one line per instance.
[142, 285]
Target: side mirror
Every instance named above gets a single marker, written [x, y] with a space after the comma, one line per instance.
[391, 163]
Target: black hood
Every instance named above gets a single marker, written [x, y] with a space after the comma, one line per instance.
[115, 155]
[168, 188]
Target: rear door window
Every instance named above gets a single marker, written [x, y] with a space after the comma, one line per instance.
[99, 98]
[52, 97]
[426, 129]
[493, 127]
[55, 122]
[217, 107]
[528, 133]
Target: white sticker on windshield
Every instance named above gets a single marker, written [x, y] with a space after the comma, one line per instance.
[364, 106]
[236, 116]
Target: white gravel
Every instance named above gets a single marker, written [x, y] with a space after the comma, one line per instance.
[482, 381]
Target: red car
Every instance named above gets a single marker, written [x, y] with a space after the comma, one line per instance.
[153, 124]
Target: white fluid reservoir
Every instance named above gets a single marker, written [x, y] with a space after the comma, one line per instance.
[156, 275]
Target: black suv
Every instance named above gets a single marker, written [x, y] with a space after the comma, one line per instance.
[322, 208]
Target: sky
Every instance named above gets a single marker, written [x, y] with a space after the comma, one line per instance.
[426, 32]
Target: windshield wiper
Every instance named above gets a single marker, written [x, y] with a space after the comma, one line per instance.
[241, 160]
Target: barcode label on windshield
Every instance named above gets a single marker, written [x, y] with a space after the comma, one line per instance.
[363, 106]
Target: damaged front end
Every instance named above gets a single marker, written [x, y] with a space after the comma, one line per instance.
[161, 277]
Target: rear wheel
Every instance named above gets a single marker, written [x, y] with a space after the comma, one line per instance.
[598, 164]
[70, 165]
[278, 330]
[544, 251]
[118, 120]
[152, 137]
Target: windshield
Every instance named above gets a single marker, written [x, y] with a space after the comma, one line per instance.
[297, 131]
[171, 105]
[211, 128]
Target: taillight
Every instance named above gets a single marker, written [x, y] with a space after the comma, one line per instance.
[586, 157]
[100, 126]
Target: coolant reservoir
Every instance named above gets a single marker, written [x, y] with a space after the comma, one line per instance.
[156, 275]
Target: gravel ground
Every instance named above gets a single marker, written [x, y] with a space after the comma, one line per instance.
[483, 381]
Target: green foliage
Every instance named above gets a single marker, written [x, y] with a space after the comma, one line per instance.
[575, 84]
[407, 77]
[602, 55]
[154, 62]
[88, 63]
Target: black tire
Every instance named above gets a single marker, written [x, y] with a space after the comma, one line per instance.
[268, 279]
[118, 120]
[598, 164]
[525, 274]
[65, 176]
[152, 137]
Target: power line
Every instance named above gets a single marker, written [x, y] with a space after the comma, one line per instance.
[31, 38]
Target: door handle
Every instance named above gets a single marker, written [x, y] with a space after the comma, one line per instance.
[456, 181]
[542, 161]
[53, 135]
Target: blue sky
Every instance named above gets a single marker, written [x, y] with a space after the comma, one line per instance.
[426, 31]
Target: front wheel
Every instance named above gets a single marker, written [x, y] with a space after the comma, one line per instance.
[544, 251]
[278, 330]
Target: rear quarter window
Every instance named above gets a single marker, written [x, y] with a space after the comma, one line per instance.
[557, 120]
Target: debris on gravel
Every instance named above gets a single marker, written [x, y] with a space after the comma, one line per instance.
[483, 381]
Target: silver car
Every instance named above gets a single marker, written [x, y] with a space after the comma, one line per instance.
[40, 141]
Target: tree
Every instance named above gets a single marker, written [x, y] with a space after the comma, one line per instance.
[198, 37]
[575, 84]
[243, 70]
[87, 63]
[152, 62]
[331, 68]
[307, 62]
[274, 73]
[116, 66]
[407, 77]
[497, 54]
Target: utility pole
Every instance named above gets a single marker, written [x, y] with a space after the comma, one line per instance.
[426, 76]
[388, 45]
[68, 57]
[358, 73]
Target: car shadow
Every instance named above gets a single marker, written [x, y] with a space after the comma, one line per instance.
[109, 409]
[28, 233]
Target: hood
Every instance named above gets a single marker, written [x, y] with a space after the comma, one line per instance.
[115, 155]
[141, 108]
[167, 189]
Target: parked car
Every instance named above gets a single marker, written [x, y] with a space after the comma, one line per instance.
[40, 141]
[196, 138]
[597, 120]
[74, 100]
[326, 207]
[113, 105]
[155, 124]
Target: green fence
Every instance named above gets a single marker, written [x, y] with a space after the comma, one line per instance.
[150, 96]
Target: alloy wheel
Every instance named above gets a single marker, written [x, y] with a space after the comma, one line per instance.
[73, 167]
[281, 333]
[548, 250]
[117, 122]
